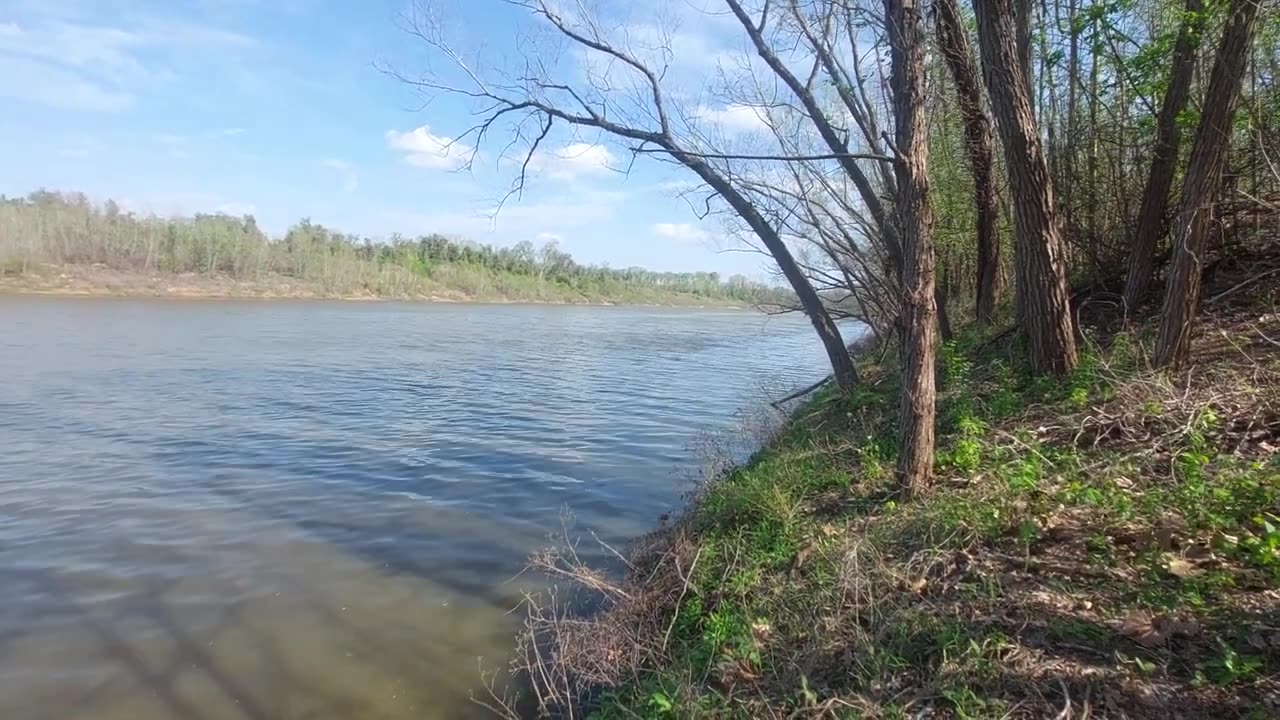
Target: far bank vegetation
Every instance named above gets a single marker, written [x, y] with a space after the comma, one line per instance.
[60, 241]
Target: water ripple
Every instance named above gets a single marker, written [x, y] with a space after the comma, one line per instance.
[326, 501]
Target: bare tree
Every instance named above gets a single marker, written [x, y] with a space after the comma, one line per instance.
[1202, 184]
[905, 30]
[953, 41]
[1155, 198]
[827, 127]
[536, 101]
[1041, 270]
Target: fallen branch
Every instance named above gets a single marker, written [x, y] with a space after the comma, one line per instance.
[1243, 284]
[802, 392]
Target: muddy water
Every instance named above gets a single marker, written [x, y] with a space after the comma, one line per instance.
[217, 510]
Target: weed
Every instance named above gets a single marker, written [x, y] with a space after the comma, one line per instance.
[1228, 667]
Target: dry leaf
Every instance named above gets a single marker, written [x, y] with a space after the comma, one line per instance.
[1182, 569]
[761, 632]
[803, 556]
[1178, 626]
[918, 586]
[1140, 627]
[828, 529]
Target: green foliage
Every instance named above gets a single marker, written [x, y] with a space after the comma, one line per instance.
[52, 229]
[1228, 667]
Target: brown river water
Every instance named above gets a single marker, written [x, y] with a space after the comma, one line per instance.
[260, 510]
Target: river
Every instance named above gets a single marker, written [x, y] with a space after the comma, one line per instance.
[219, 510]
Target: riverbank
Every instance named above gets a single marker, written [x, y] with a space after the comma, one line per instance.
[1106, 545]
[103, 281]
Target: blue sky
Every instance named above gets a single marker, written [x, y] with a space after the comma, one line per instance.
[276, 108]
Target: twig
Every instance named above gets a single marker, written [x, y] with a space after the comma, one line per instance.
[1240, 285]
[1065, 713]
[778, 158]
[609, 547]
[680, 601]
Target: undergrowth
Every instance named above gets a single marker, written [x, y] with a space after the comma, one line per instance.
[1105, 544]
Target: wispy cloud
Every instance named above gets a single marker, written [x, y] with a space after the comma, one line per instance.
[350, 178]
[682, 232]
[99, 66]
[33, 81]
[735, 118]
[555, 216]
[425, 149]
[573, 161]
[183, 204]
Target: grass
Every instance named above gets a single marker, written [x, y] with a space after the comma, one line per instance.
[447, 282]
[1107, 543]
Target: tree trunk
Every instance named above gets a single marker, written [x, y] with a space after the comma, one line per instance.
[1041, 267]
[842, 367]
[954, 43]
[1163, 160]
[1073, 126]
[940, 302]
[1091, 158]
[1200, 189]
[915, 221]
[1022, 11]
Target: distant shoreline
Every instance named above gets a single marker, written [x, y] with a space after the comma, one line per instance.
[102, 282]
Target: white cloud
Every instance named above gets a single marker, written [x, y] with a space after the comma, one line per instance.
[546, 237]
[425, 149]
[74, 65]
[681, 232]
[573, 161]
[350, 178]
[23, 79]
[734, 119]
[556, 215]
[683, 43]
[184, 204]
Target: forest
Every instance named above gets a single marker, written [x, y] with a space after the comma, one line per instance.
[50, 232]
[1125, 132]
[1049, 482]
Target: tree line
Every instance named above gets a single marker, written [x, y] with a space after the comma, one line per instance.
[904, 143]
[50, 228]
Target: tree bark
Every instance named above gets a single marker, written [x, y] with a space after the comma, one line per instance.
[1022, 12]
[954, 43]
[1155, 197]
[940, 302]
[904, 20]
[842, 366]
[1200, 189]
[1073, 126]
[1039, 258]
